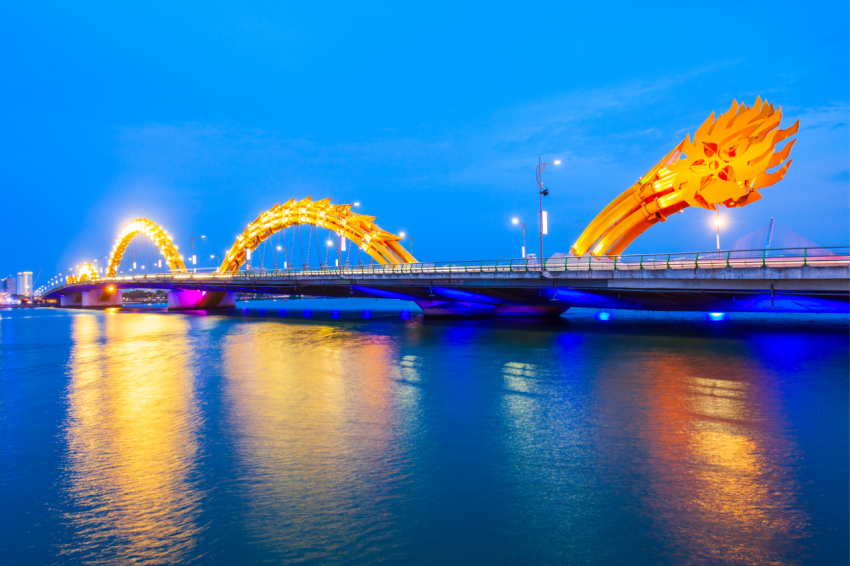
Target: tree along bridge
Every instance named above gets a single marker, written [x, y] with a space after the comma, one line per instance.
[770, 280]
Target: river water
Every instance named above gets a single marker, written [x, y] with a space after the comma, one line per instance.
[357, 433]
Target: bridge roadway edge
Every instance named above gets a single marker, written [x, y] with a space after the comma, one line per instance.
[726, 289]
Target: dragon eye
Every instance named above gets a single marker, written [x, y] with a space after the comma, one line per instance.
[709, 148]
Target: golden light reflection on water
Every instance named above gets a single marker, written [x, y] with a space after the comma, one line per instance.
[313, 408]
[721, 483]
[130, 438]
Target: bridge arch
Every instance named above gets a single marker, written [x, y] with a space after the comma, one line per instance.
[155, 233]
[381, 245]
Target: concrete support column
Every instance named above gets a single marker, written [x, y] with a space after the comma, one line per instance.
[75, 300]
[93, 298]
[181, 300]
[455, 309]
[530, 311]
[102, 298]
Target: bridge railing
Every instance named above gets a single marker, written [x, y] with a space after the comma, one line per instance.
[784, 257]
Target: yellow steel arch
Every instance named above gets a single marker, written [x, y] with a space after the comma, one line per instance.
[358, 228]
[725, 164]
[159, 237]
[87, 273]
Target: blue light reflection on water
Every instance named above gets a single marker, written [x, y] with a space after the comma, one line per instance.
[168, 437]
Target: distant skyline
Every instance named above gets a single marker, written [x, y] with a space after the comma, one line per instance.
[202, 116]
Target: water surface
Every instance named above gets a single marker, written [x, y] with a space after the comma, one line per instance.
[355, 432]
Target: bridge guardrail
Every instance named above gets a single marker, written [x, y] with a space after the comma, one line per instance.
[782, 257]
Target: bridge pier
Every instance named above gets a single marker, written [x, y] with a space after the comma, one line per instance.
[182, 300]
[93, 298]
[74, 300]
[457, 309]
[531, 311]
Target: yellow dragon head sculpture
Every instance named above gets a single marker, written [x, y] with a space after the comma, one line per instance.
[726, 163]
[87, 273]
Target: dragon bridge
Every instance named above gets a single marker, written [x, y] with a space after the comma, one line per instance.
[726, 164]
[381, 245]
[155, 233]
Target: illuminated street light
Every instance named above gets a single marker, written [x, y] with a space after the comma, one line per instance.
[403, 236]
[544, 220]
[517, 221]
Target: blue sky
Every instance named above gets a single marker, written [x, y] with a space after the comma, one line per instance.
[199, 116]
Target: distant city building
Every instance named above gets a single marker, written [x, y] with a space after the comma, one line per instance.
[24, 283]
[11, 285]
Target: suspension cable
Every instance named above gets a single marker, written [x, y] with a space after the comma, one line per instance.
[285, 250]
[328, 249]
[301, 245]
[318, 247]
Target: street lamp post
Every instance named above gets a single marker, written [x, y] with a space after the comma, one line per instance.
[192, 243]
[517, 221]
[544, 224]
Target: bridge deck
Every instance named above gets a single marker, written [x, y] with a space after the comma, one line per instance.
[708, 284]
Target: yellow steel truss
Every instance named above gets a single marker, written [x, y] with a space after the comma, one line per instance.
[360, 229]
[155, 233]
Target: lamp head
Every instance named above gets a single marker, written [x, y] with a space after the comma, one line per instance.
[515, 220]
[718, 222]
[556, 162]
